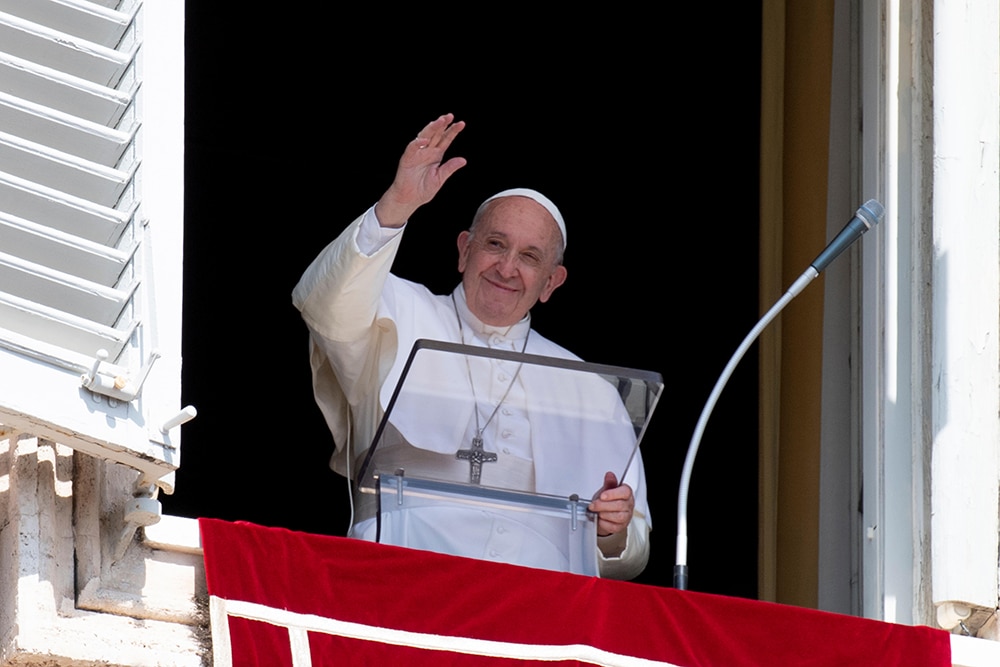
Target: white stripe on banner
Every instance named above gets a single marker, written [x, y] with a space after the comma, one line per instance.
[299, 624]
[222, 645]
[298, 639]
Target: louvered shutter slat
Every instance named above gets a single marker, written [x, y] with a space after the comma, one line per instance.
[90, 227]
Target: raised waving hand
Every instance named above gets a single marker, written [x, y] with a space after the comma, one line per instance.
[421, 172]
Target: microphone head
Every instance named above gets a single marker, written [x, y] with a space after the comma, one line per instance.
[871, 213]
[866, 217]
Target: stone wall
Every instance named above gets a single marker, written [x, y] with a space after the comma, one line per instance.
[79, 585]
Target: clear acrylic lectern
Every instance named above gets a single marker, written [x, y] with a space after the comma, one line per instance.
[496, 454]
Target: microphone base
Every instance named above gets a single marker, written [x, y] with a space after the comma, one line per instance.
[680, 577]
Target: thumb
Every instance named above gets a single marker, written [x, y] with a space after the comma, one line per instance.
[610, 482]
[446, 170]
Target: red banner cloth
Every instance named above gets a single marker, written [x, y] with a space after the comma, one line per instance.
[281, 597]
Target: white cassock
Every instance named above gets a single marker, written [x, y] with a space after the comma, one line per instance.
[363, 322]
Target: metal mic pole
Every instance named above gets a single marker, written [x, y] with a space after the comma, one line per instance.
[869, 215]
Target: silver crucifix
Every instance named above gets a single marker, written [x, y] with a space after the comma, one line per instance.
[476, 457]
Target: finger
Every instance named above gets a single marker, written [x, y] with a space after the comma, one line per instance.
[621, 492]
[449, 134]
[607, 507]
[436, 126]
[439, 132]
[429, 147]
[450, 167]
[610, 482]
[620, 510]
[617, 519]
[612, 524]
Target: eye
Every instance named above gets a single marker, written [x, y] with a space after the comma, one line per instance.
[531, 259]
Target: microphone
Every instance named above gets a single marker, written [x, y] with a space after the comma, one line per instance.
[867, 216]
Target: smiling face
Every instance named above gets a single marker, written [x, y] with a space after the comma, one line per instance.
[510, 260]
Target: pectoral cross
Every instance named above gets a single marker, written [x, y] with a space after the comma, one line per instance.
[476, 457]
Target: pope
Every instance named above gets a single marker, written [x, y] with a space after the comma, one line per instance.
[363, 320]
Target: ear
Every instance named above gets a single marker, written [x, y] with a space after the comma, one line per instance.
[463, 250]
[557, 278]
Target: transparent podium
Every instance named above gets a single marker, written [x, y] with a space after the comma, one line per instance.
[496, 454]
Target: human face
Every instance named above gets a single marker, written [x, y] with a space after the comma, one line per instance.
[510, 261]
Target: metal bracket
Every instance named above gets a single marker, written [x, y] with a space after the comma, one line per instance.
[117, 388]
[399, 485]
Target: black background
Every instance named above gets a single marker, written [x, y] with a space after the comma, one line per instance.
[644, 133]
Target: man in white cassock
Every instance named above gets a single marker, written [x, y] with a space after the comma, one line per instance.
[363, 321]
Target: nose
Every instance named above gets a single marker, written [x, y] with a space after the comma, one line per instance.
[507, 264]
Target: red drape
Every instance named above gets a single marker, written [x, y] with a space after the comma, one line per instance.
[350, 602]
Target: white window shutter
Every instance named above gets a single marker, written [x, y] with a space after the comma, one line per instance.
[91, 226]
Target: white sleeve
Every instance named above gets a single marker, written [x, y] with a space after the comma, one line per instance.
[631, 561]
[372, 236]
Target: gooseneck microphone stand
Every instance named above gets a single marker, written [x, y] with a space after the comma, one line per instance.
[866, 217]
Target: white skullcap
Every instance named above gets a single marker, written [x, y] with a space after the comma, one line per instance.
[538, 197]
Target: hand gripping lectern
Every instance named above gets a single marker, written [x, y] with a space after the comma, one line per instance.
[496, 454]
